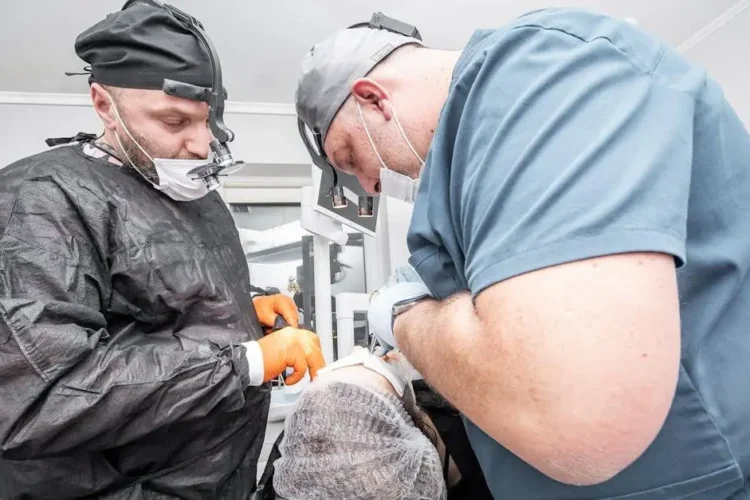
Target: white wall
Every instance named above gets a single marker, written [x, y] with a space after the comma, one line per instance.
[23, 128]
[723, 55]
[274, 275]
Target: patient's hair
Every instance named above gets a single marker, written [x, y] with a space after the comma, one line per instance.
[422, 422]
[427, 398]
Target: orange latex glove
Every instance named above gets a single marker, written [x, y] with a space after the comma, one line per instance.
[291, 348]
[268, 306]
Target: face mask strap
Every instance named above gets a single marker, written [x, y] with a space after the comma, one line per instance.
[401, 131]
[403, 134]
[130, 160]
[369, 137]
[125, 128]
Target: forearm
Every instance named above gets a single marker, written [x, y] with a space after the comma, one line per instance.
[515, 389]
[439, 338]
[477, 370]
[449, 345]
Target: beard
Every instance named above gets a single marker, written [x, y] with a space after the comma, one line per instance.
[135, 158]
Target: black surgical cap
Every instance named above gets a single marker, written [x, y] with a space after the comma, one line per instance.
[140, 46]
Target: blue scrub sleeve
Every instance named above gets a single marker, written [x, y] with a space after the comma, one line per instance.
[569, 151]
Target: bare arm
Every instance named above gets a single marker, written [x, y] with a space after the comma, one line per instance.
[573, 368]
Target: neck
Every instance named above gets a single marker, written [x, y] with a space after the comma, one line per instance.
[441, 75]
[441, 66]
[109, 142]
[105, 145]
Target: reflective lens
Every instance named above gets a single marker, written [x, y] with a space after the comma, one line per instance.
[365, 206]
[339, 200]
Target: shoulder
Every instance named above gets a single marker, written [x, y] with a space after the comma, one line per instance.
[56, 162]
[59, 180]
[43, 162]
[548, 34]
[63, 169]
[31, 176]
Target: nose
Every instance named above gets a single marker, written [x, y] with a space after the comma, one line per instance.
[372, 186]
[198, 143]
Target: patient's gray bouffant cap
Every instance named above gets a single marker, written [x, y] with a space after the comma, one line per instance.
[344, 441]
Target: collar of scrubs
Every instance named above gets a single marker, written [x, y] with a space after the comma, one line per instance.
[362, 357]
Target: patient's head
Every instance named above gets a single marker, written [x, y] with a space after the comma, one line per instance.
[357, 433]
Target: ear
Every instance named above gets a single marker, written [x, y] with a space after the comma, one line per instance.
[370, 93]
[103, 106]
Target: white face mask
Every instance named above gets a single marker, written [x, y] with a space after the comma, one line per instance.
[173, 174]
[393, 184]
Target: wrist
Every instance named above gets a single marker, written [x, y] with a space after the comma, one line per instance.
[402, 322]
[255, 363]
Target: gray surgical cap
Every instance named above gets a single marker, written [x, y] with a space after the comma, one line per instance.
[344, 441]
[330, 68]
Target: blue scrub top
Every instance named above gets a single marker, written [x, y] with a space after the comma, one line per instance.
[569, 135]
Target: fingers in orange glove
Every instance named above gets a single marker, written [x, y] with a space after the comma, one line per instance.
[291, 348]
[313, 362]
[268, 306]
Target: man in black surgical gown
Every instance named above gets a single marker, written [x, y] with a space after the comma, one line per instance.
[133, 363]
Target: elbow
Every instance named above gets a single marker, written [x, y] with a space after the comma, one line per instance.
[590, 454]
[577, 468]
[587, 446]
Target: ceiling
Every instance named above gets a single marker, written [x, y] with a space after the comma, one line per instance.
[262, 42]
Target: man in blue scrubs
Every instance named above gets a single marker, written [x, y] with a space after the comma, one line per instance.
[581, 228]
